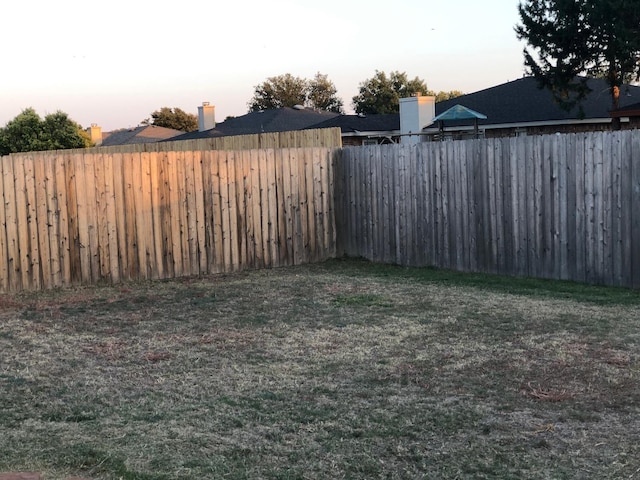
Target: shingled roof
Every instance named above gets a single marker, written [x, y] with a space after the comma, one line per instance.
[522, 101]
[142, 134]
[384, 122]
[275, 120]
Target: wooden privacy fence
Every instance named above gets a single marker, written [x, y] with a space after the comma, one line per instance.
[70, 218]
[556, 206]
[315, 137]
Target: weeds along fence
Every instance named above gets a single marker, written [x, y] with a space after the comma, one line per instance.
[85, 218]
[555, 206]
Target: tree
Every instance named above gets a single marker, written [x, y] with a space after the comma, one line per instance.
[27, 132]
[175, 118]
[280, 91]
[570, 38]
[382, 93]
[288, 91]
[442, 96]
[322, 94]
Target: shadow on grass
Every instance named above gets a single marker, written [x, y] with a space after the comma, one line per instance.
[544, 288]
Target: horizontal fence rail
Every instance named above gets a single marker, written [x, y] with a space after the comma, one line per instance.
[315, 137]
[555, 206]
[84, 218]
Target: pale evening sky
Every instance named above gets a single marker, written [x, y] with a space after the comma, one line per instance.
[113, 63]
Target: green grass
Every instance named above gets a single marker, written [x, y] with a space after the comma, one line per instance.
[345, 369]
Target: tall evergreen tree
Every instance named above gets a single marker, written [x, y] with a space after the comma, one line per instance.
[568, 38]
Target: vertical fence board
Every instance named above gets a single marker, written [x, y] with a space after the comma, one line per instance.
[581, 208]
[298, 188]
[172, 193]
[254, 204]
[102, 188]
[233, 207]
[29, 245]
[627, 211]
[506, 193]
[616, 209]
[43, 226]
[157, 264]
[561, 224]
[191, 216]
[53, 219]
[273, 212]
[216, 237]
[635, 208]
[84, 218]
[6, 197]
[590, 194]
[608, 185]
[332, 158]
[264, 213]
[11, 222]
[429, 155]
[147, 212]
[283, 168]
[201, 209]
[225, 213]
[570, 218]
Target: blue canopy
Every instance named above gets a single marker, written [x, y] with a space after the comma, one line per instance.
[459, 112]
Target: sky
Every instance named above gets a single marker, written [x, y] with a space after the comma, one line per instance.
[112, 63]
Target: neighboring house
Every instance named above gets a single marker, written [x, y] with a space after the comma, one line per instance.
[520, 107]
[365, 129]
[141, 134]
[514, 108]
[629, 116]
[267, 121]
[356, 129]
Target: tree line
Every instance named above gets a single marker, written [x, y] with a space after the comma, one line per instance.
[379, 94]
[567, 41]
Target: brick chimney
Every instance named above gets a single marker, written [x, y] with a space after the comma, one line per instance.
[416, 113]
[95, 134]
[206, 117]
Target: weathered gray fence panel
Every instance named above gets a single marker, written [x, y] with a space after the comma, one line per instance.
[556, 206]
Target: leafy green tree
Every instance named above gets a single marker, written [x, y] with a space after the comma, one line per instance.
[322, 94]
[568, 38]
[27, 132]
[280, 91]
[288, 91]
[175, 118]
[382, 93]
[442, 96]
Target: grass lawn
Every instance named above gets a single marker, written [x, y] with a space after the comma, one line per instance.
[344, 369]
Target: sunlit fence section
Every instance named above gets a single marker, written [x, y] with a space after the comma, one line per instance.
[86, 218]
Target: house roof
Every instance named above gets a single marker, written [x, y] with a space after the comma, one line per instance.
[384, 122]
[275, 120]
[142, 134]
[522, 101]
